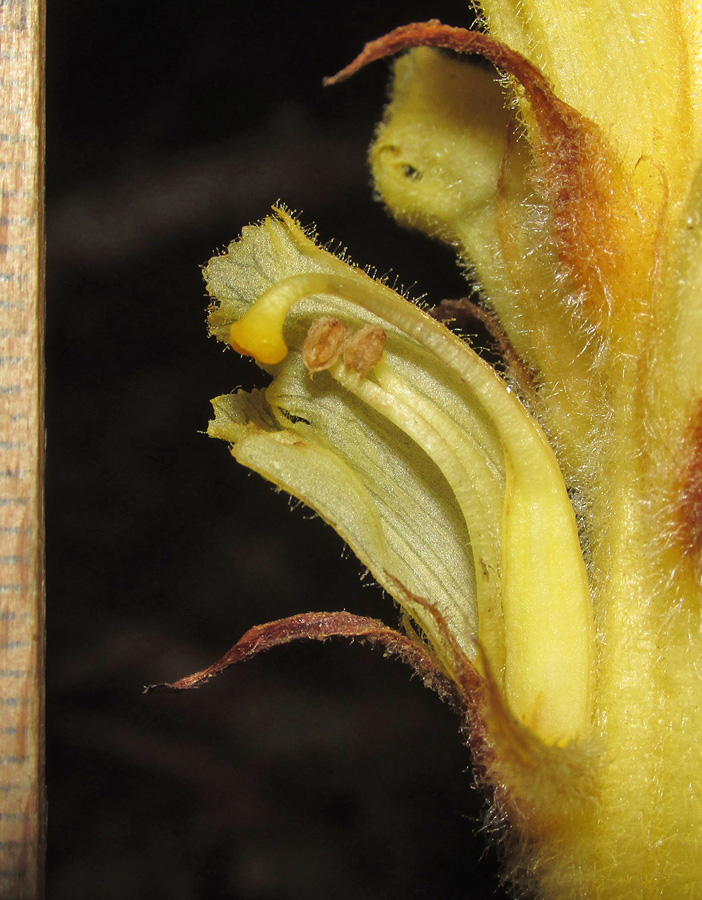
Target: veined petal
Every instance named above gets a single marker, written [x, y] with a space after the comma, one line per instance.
[374, 486]
[420, 456]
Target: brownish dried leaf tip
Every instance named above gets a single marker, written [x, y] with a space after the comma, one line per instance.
[320, 626]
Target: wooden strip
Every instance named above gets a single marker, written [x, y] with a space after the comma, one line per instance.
[21, 449]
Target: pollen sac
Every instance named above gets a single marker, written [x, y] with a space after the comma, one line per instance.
[324, 342]
[364, 350]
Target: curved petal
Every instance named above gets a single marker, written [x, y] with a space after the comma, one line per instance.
[424, 461]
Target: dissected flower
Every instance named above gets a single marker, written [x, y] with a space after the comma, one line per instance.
[542, 531]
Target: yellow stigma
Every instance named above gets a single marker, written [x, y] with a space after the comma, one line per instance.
[259, 333]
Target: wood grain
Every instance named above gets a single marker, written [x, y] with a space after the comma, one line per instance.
[21, 449]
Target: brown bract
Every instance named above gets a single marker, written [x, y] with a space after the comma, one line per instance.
[319, 626]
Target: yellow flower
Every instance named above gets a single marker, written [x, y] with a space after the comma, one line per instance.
[543, 531]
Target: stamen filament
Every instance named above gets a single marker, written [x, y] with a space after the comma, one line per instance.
[474, 484]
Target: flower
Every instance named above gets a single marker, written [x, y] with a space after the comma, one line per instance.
[542, 531]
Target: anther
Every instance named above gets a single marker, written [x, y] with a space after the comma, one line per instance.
[364, 350]
[324, 343]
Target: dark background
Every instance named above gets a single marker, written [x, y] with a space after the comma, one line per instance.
[316, 771]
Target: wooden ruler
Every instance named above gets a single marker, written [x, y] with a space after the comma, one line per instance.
[21, 449]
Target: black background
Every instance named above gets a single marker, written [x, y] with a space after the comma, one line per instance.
[316, 771]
